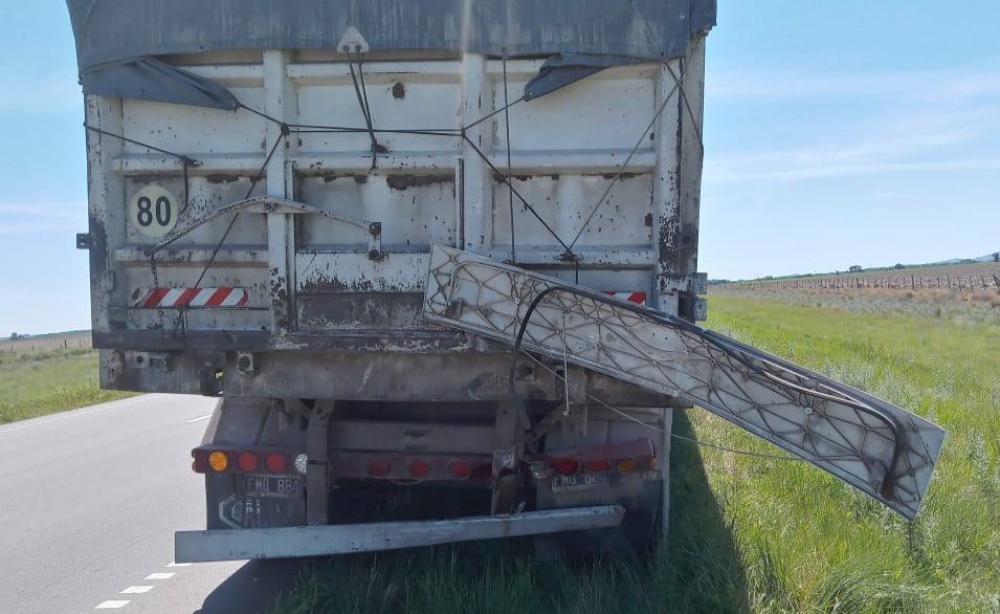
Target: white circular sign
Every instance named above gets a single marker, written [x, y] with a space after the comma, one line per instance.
[153, 211]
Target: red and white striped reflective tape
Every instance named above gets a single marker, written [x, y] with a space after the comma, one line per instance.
[165, 298]
[632, 297]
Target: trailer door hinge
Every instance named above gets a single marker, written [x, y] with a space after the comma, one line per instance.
[83, 240]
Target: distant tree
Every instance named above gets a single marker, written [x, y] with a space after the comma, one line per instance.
[14, 336]
[899, 266]
[996, 257]
[855, 268]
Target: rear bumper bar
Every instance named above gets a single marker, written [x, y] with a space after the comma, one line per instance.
[284, 542]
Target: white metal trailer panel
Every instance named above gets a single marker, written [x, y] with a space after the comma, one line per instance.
[303, 219]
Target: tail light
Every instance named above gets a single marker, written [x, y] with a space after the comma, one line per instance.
[459, 469]
[218, 461]
[208, 459]
[276, 462]
[419, 468]
[566, 466]
[379, 468]
[598, 466]
[247, 462]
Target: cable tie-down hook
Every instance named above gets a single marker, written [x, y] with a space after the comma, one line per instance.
[454, 308]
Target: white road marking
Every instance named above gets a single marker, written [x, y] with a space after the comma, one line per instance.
[161, 575]
[199, 418]
[172, 564]
[135, 590]
[112, 605]
[103, 407]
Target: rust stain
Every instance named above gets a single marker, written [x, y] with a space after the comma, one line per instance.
[398, 91]
[405, 182]
[221, 178]
[669, 242]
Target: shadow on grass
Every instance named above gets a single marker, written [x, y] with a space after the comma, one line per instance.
[702, 563]
[253, 587]
[700, 570]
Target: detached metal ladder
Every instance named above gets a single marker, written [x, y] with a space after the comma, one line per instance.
[868, 443]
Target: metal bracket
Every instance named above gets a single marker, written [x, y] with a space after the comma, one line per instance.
[148, 360]
[700, 309]
[505, 458]
[246, 363]
[352, 42]
[575, 419]
[698, 283]
[375, 241]
[318, 469]
[83, 240]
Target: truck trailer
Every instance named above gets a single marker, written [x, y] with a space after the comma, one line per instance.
[438, 262]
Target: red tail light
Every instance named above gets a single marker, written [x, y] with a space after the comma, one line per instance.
[276, 462]
[598, 466]
[459, 469]
[247, 462]
[379, 468]
[420, 468]
[566, 466]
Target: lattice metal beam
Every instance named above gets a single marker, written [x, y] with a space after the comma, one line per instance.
[872, 445]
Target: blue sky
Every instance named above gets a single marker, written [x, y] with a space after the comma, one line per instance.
[836, 133]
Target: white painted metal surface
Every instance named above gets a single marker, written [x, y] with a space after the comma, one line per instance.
[228, 545]
[302, 137]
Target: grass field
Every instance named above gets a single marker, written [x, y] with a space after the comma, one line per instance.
[49, 373]
[967, 307]
[760, 535]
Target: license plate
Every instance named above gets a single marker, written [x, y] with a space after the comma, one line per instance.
[561, 483]
[271, 486]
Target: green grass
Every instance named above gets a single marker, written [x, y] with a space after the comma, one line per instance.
[46, 381]
[822, 546]
[760, 535]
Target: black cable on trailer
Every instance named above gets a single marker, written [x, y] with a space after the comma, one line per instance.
[497, 173]
[365, 110]
[510, 193]
[232, 222]
[731, 348]
[635, 148]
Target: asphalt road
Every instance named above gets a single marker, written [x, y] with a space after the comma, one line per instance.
[89, 502]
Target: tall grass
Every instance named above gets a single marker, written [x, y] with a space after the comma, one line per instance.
[751, 534]
[42, 382]
[838, 550]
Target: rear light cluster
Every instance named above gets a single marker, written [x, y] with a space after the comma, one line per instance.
[629, 457]
[395, 467]
[248, 461]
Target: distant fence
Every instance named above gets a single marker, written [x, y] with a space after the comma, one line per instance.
[897, 282]
[46, 343]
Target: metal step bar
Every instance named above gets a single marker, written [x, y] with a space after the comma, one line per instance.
[283, 542]
[868, 443]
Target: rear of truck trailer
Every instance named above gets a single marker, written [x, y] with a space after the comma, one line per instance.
[339, 217]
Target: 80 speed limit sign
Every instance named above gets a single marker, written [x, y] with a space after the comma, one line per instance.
[153, 211]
